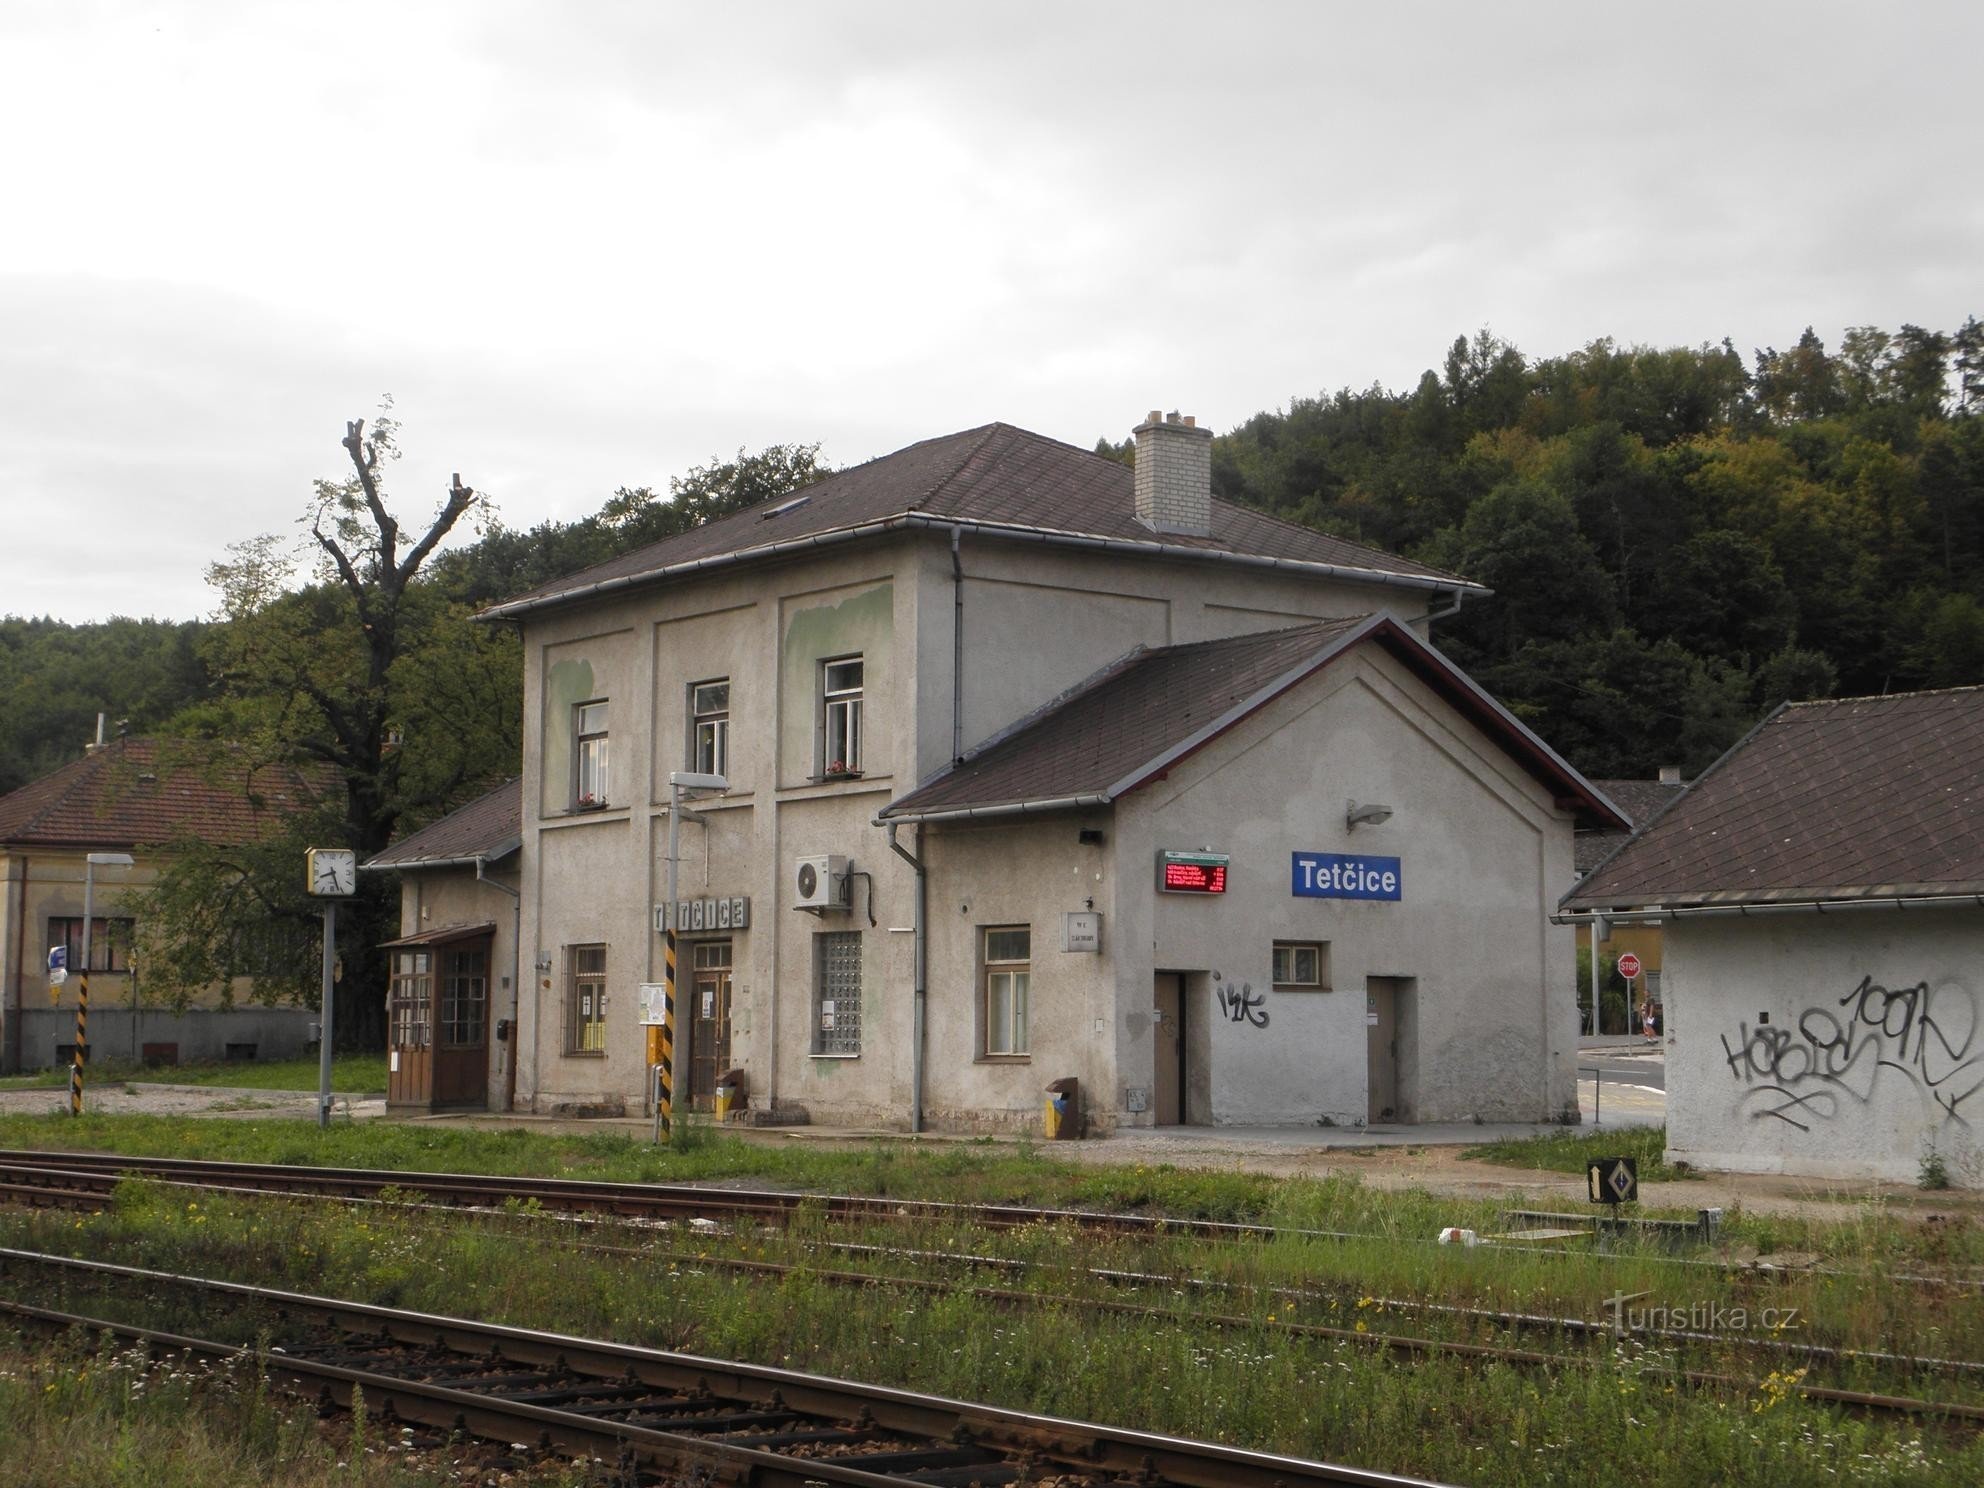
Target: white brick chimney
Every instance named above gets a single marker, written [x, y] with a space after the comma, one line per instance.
[1174, 475]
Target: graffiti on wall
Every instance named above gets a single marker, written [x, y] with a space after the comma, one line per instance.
[1242, 1004]
[1834, 1056]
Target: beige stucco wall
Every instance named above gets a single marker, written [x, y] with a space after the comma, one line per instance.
[38, 884]
[1490, 1027]
[1846, 1045]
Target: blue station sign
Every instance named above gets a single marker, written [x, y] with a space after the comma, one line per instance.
[1345, 876]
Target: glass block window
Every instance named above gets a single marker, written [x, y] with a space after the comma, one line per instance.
[837, 992]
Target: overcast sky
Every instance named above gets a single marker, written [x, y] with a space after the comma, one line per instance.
[586, 245]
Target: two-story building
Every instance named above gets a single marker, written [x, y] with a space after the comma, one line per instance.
[1037, 767]
[138, 797]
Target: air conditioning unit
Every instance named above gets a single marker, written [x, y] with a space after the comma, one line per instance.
[820, 882]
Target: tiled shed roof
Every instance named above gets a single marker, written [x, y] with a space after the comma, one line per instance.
[1641, 800]
[134, 792]
[1001, 479]
[1134, 720]
[489, 827]
[1858, 798]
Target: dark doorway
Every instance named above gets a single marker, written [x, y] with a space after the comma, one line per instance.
[1387, 1010]
[1169, 1077]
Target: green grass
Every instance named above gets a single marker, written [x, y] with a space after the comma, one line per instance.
[1251, 1385]
[353, 1074]
[1568, 1152]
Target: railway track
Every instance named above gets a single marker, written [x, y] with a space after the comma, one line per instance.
[662, 1417]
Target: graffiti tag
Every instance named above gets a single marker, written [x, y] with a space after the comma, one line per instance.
[1837, 1053]
[1243, 1004]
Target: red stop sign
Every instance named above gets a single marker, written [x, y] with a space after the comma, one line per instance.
[1629, 966]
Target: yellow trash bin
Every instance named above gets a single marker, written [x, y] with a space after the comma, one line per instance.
[1060, 1119]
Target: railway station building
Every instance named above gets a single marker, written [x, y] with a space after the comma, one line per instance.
[1037, 768]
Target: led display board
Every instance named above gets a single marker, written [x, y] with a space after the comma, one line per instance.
[1191, 872]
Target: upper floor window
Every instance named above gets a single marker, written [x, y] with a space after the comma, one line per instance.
[709, 712]
[840, 696]
[589, 782]
[110, 942]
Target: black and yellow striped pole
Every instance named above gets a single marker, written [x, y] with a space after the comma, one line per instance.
[664, 1098]
[91, 862]
[82, 1030]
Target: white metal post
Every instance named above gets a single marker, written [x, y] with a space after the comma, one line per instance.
[324, 1026]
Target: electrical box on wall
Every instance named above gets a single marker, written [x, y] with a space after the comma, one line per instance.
[820, 883]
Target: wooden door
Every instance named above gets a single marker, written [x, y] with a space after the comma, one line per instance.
[1381, 1031]
[410, 1030]
[708, 1020]
[1167, 1095]
[461, 1046]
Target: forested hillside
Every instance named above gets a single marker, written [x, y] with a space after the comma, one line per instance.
[1677, 540]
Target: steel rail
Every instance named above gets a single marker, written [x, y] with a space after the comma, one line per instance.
[696, 1201]
[1022, 1439]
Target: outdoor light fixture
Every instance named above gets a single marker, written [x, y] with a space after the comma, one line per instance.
[1369, 814]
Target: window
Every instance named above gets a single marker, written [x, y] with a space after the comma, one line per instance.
[464, 998]
[1008, 975]
[589, 756]
[412, 999]
[1302, 964]
[840, 692]
[709, 713]
[585, 1000]
[110, 941]
[837, 993]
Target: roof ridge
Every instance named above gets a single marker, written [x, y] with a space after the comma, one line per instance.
[1887, 697]
[984, 433]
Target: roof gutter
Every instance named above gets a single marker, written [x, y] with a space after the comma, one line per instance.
[906, 520]
[1657, 914]
[1004, 808]
[475, 860]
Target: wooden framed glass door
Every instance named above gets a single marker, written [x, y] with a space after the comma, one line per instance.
[410, 1030]
[709, 1019]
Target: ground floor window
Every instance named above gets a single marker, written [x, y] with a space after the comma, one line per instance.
[1302, 965]
[585, 999]
[412, 998]
[837, 992]
[110, 942]
[1008, 982]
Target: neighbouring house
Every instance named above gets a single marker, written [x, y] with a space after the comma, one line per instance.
[135, 796]
[1640, 801]
[451, 1007]
[1037, 768]
[1818, 891]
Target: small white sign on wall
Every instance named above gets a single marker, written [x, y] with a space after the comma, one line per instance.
[654, 999]
[1082, 931]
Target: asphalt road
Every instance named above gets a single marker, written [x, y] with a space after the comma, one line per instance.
[1626, 1069]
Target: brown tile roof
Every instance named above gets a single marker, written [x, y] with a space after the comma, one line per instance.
[491, 827]
[1135, 719]
[1640, 800]
[1851, 799]
[140, 792]
[999, 478]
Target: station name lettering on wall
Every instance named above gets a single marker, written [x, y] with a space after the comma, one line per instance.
[1346, 876]
[705, 914]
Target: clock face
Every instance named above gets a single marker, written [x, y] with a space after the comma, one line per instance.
[333, 871]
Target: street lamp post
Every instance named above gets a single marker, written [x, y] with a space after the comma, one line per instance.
[91, 862]
[678, 782]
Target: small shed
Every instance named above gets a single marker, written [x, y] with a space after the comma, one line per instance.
[1821, 893]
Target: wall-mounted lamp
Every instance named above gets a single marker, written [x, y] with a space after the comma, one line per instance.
[1370, 814]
